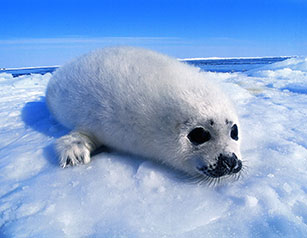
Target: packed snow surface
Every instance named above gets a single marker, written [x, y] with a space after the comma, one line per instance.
[118, 195]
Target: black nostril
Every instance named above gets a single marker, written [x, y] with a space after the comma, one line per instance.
[234, 156]
[238, 168]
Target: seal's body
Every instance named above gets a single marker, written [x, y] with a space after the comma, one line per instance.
[144, 103]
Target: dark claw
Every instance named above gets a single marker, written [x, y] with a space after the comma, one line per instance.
[68, 161]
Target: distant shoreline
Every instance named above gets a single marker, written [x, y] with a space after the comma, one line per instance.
[213, 64]
[30, 68]
[180, 59]
[233, 58]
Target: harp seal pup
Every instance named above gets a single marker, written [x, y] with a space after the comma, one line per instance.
[144, 103]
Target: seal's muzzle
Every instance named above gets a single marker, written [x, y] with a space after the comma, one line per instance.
[225, 165]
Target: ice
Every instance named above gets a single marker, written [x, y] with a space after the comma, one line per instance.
[118, 195]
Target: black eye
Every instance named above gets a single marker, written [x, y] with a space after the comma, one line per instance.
[198, 136]
[234, 132]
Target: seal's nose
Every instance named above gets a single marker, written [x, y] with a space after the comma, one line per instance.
[231, 163]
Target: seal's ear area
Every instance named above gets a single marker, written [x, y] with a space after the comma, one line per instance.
[199, 136]
[234, 132]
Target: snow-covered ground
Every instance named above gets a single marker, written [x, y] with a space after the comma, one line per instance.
[122, 196]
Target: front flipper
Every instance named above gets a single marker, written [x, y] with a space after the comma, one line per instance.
[75, 148]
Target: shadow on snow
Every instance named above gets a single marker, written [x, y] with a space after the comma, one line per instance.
[37, 116]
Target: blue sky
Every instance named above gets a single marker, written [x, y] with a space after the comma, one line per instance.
[52, 32]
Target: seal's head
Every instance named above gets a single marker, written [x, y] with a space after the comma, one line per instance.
[211, 149]
[206, 141]
[215, 149]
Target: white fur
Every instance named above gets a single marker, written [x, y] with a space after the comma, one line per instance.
[75, 148]
[141, 102]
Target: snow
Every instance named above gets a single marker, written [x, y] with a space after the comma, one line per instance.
[118, 195]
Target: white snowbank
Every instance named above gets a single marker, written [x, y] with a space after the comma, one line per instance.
[122, 196]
